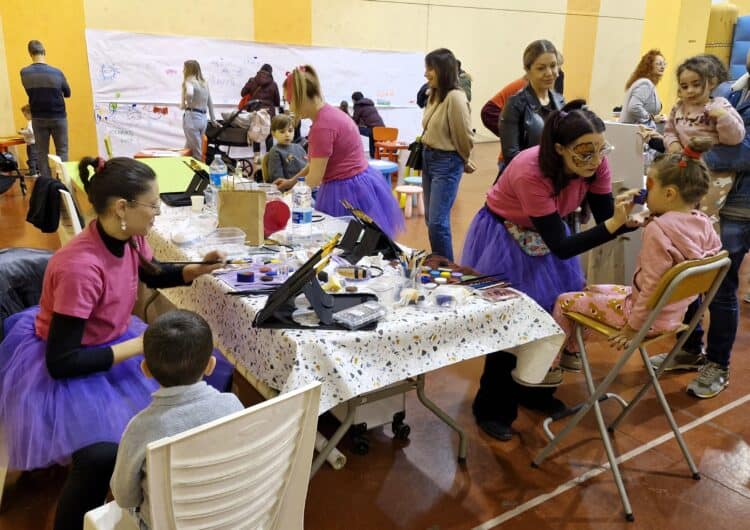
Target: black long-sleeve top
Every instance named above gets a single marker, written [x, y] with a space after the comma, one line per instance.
[552, 228]
[65, 357]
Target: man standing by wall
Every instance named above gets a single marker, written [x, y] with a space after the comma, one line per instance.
[46, 87]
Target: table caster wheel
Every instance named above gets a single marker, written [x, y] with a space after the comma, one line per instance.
[401, 431]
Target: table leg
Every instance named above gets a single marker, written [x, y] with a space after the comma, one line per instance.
[335, 439]
[440, 413]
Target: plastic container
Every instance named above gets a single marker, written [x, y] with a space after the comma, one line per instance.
[226, 236]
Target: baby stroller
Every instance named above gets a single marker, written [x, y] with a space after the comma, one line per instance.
[9, 173]
[232, 133]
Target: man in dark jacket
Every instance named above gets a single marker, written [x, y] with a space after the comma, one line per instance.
[366, 117]
[47, 89]
[263, 88]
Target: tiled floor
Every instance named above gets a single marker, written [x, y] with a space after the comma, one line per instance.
[418, 484]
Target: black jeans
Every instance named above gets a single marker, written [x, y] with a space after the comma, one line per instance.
[724, 308]
[87, 484]
[499, 395]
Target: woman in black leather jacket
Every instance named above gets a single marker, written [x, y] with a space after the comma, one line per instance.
[522, 120]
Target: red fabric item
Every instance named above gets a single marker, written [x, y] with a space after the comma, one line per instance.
[276, 217]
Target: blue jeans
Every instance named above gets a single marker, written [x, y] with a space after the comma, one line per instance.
[57, 128]
[194, 125]
[441, 174]
[724, 308]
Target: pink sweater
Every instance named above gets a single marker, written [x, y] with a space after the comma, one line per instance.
[669, 239]
[688, 121]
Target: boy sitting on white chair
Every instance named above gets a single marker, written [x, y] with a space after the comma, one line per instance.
[177, 353]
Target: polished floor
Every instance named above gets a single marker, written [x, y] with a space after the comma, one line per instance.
[418, 484]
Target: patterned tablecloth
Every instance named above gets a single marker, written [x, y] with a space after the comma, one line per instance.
[408, 342]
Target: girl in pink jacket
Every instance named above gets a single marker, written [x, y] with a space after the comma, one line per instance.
[697, 114]
[676, 232]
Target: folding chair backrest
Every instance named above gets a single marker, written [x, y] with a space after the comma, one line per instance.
[689, 278]
[247, 470]
[384, 134]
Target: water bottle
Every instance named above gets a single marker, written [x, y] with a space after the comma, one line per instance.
[217, 172]
[301, 211]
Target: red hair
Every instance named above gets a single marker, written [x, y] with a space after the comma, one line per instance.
[645, 68]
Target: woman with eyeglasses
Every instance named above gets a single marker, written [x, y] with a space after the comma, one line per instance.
[70, 377]
[519, 236]
[642, 105]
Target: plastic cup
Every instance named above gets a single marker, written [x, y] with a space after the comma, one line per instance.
[196, 202]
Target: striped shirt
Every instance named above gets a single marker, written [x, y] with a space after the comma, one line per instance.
[46, 87]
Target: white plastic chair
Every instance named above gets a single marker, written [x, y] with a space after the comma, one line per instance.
[248, 470]
[58, 168]
[70, 225]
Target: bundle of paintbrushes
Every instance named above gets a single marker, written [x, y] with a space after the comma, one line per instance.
[411, 263]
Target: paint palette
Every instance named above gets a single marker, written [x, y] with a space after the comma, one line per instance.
[255, 275]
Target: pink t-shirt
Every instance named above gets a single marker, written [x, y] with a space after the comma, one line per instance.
[85, 280]
[335, 136]
[523, 191]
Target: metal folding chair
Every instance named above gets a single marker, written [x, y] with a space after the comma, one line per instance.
[689, 278]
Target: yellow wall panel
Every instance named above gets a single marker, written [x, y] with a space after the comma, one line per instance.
[581, 25]
[223, 19]
[291, 24]
[60, 26]
[678, 28]
[7, 126]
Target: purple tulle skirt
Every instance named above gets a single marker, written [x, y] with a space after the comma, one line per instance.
[370, 192]
[490, 249]
[45, 420]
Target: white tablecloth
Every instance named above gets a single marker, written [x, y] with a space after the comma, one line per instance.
[407, 343]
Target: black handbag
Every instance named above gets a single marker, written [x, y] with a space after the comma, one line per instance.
[414, 161]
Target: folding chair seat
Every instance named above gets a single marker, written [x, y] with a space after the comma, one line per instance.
[689, 278]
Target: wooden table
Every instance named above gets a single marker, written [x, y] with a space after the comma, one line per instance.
[8, 141]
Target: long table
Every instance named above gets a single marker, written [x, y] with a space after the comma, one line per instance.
[407, 344]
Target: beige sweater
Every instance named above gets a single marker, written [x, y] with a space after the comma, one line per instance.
[448, 124]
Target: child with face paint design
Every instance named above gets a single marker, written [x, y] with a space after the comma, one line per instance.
[677, 232]
[697, 114]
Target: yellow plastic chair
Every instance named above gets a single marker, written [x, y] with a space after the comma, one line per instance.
[689, 278]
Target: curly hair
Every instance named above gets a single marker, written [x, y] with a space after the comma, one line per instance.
[645, 68]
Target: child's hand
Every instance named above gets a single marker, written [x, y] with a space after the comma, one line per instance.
[715, 111]
[285, 184]
[647, 133]
[660, 118]
[623, 337]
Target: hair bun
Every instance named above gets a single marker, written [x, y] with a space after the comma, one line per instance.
[697, 146]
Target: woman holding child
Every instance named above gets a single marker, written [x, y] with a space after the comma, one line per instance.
[70, 376]
[519, 235]
[337, 162]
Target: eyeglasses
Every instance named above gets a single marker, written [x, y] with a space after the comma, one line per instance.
[585, 159]
[155, 207]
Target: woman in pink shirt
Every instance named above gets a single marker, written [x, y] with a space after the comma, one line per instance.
[337, 160]
[519, 235]
[70, 377]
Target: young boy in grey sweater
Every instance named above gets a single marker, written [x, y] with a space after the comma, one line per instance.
[285, 159]
[177, 353]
